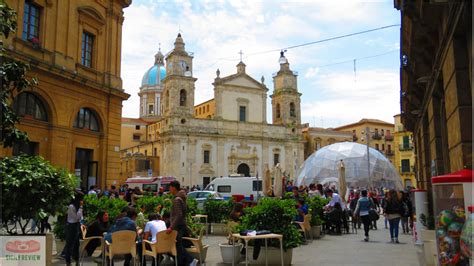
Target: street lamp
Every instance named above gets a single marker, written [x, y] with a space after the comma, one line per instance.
[367, 137]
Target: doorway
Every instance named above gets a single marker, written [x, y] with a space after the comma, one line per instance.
[243, 169]
[86, 169]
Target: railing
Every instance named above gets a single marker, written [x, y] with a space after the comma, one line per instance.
[388, 137]
[410, 169]
[389, 153]
[405, 147]
[376, 136]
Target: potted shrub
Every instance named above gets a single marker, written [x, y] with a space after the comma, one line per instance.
[276, 216]
[35, 190]
[218, 212]
[316, 205]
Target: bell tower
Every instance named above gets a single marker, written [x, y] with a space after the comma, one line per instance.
[285, 98]
[178, 86]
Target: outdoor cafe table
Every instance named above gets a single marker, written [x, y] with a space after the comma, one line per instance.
[248, 238]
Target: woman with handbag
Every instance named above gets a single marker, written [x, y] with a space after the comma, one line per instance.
[364, 205]
[392, 210]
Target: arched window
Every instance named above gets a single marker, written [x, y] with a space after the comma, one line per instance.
[278, 110]
[292, 110]
[87, 119]
[182, 98]
[29, 105]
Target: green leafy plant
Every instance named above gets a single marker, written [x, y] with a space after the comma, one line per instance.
[59, 226]
[316, 205]
[32, 189]
[93, 204]
[218, 211]
[150, 204]
[276, 216]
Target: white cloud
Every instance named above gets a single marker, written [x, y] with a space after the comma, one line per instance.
[311, 72]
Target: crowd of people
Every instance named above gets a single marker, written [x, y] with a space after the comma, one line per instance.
[360, 207]
[127, 220]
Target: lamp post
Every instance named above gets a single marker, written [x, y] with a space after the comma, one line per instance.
[367, 137]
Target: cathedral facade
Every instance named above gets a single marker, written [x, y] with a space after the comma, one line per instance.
[224, 136]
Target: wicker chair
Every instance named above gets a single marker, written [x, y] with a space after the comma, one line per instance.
[123, 242]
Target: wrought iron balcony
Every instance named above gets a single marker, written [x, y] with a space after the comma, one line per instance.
[388, 137]
[406, 147]
[407, 170]
[389, 153]
[376, 136]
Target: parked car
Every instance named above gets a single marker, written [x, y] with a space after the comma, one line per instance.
[202, 196]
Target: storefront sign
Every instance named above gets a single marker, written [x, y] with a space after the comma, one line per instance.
[23, 250]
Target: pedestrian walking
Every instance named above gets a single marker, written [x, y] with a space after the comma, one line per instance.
[406, 211]
[392, 210]
[364, 205]
[73, 229]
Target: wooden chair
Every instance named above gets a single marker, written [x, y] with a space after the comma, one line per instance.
[165, 243]
[305, 227]
[85, 241]
[123, 242]
[198, 250]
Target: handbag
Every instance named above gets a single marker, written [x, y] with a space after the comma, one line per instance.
[373, 215]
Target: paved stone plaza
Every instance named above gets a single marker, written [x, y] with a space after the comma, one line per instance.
[333, 250]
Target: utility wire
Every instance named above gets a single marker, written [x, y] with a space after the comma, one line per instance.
[359, 58]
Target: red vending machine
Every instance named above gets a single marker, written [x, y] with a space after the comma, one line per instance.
[452, 195]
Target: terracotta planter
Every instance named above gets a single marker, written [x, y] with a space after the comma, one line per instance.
[273, 256]
[219, 229]
[316, 231]
[230, 252]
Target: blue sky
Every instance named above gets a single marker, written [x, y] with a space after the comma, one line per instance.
[217, 30]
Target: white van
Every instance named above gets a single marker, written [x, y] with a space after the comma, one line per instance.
[153, 182]
[249, 187]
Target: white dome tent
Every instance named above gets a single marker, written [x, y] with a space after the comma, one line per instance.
[324, 163]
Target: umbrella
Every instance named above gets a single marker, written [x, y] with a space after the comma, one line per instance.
[267, 186]
[342, 180]
[277, 182]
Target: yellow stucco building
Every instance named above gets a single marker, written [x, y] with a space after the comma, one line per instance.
[404, 160]
[316, 138]
[73, 115]
[380, 135]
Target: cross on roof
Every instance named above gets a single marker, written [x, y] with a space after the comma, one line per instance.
[241, 53]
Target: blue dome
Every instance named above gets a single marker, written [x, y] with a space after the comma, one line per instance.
[154, 75]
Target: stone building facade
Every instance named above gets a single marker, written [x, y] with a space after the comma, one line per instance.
[316, 138]
[405, 159]
[226, 135]
[73, 115]
[435, 86]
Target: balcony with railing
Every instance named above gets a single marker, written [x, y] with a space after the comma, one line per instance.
[376, 136]
[407, 170]
[406, 147]
[389, 137]
[389, 153]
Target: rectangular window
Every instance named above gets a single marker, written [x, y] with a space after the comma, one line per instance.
[383, 147]
[224, 189]
[377, 146]
[28, 148]
[154, 151]
[153, 187]
[276, 158]
[405, 165]
[206, 156]
[389, 148]
[136, 137]
[406, 142]
[31, 20]
[388, 132]
[257, 185]
[137, 127]
[87, 48]
[242, 113]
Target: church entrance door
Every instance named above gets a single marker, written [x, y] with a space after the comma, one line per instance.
[243, 169]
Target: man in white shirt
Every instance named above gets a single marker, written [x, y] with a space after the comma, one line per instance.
[154, 226]
[335, 198]
[92, 191]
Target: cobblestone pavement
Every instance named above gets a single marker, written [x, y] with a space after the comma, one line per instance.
[346, 249]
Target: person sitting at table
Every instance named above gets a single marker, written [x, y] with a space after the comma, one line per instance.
[296, 193]
[302, 209]
[335, 198]
[124, 223]
[152, 227]
[97, 228]
[335, 216]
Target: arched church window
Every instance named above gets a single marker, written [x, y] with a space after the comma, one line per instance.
[87, 119]
[182, 98]
[278, 110]
[29, 105]
[292, 110]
